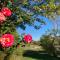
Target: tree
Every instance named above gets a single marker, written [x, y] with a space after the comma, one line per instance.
[45, 8]
[47, 42]
[51, 43]
[12, 14]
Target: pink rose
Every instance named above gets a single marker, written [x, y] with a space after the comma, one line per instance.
[28, 38]
[7, 40]
[2, 17]
[6, 11]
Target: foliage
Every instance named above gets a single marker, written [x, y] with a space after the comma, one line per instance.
[47, 41]
[20, 17]
[51, 42]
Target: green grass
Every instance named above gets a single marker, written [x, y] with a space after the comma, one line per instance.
[26, 53]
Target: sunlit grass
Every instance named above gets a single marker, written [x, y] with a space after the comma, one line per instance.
[27, 53]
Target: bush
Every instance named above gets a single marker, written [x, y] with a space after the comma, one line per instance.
[48, 44]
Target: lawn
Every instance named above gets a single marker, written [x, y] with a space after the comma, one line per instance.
[30, 53]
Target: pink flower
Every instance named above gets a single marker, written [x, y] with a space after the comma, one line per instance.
[2, 17]
[6, 11]
[28, 38]
[7, 40]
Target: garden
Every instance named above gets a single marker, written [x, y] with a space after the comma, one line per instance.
[16, 45]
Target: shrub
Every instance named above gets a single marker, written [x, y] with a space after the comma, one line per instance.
[48, 44]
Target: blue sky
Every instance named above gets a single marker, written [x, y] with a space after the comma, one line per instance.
[36, 34]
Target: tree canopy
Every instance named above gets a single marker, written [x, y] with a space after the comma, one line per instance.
[20, 17]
